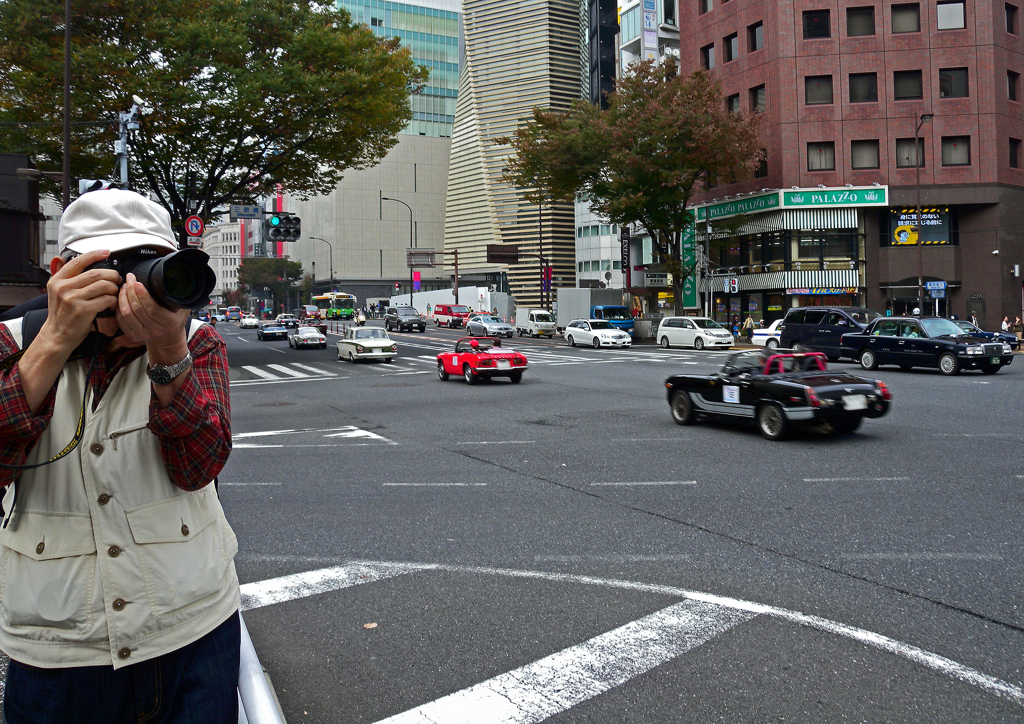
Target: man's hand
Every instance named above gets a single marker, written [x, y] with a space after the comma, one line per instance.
[75, 296]
[144, 321]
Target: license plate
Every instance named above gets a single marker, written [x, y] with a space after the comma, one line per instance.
[855, 402]
[995, 360]
[504, 364]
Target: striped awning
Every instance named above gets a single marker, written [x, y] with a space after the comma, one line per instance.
[787, 220]
[834, 278]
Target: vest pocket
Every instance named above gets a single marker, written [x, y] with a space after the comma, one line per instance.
[180, 550]
[49, 571]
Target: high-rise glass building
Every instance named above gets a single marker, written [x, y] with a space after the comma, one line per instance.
[515, 56]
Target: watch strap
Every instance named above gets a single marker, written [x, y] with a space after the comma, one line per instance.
[165, 374]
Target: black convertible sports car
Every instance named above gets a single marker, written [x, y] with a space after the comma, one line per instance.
[778, 390]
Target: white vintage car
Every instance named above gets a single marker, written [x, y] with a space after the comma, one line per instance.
[366, 343]
[307, 337]
[249, 323]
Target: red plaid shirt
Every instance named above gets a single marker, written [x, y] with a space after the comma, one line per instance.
[194, 430]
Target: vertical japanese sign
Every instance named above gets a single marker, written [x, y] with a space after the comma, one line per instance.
[688, 249]
[624, 239]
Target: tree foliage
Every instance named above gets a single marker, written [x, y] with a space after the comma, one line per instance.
[277, 276]
[641, 160]
[243, 96]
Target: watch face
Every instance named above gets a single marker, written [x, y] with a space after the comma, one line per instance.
[160, 376]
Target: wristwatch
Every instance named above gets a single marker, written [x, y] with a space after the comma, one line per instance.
[165, 374]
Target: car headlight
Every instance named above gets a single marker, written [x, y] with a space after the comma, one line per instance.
[359, 348]
[974, 350]
[1006, 348]
[394, 348]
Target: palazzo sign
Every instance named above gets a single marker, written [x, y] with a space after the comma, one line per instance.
[829, 198]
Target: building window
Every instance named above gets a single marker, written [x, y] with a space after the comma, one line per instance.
[759, 99]
[731, 47]
[707, 56]
[755, 36]
[1014, 153]
[1011, 19]
[821, 156]
[704, 6]
[762, 166]
[864, 154]
[580, 270]
[817, 89]
[906, 18]
[950, 15]
[906, 85]
[953, 83]
[956, 151]
[732, 103]
[905, 155]
[863, 88]
[817, 24]
[1012, 85]
[860, 21]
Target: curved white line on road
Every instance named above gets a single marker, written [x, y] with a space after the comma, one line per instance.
[300, 585]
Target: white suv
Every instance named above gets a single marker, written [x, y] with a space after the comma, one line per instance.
[696, 332]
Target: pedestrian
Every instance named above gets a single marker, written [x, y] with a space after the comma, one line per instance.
[1018, 328]
[748, 329]
[131, 613]
[974, 319]
[1005, 326]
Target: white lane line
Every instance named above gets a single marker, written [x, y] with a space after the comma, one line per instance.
[308, 368]
[539, 690]
[279, 381]
[497, 442]
[260, 373]
[613, 559]
[356, 432]
[284, 369]
[654, 482]
[435, 485]
[270, 433]
[253, 446]
[311, 583]
[401, 374]
[853, 480]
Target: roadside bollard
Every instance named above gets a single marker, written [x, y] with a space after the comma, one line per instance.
[258, 703]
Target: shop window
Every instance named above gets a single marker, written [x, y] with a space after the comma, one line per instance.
[818, 90]
[759, 99]
[707, 56]
[953, 83]
[950, 15]
[864, 154]
[860, 21]
[906, 85]
[732, 103]
[839, 246]
[956, 151]
[1014, 153]
[821, 156]
[755, 36]
[776, 244]
[730, 48]
[1012, 85]
[808, 247]
[1011, 19]
[817, 24]
[906, 18]
[863, 87]
[906, 157]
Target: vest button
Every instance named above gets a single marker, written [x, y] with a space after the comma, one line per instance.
[40, 548]
[103, 499]
[184, 529]
[96, 448]
[119, 604]
[124, 653]
[113, 551]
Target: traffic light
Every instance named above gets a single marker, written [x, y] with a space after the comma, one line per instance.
[272, 227]
[292, 227]
[397, 287]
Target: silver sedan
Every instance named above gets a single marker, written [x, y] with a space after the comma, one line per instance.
[487, 325]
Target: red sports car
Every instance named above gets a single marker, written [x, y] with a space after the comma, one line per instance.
[475, 358]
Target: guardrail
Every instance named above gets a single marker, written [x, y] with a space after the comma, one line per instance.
[257, 702]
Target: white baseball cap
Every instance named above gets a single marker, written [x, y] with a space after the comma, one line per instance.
[116, 220]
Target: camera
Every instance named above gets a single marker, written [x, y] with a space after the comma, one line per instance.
[180, 280]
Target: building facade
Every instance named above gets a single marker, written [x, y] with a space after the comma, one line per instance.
[515, 57]
[223, 244]
[845, 87]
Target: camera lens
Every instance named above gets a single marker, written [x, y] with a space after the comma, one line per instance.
[180, 279]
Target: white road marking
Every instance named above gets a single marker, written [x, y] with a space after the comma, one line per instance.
[400, 374]
[311, 583]
[271, 433]
[665, 482]
[497, 442]
[853, 480]
[323, 378]
[287, 370]
[539, 690]
[613, 559]
[353, 432]
[435, 485]
[309, 368]
[260, 373]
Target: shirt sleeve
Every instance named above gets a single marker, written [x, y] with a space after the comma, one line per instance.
[195, 429]
[19, 427]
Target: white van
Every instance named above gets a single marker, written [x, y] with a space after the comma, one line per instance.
[534, 322]
[696, 332]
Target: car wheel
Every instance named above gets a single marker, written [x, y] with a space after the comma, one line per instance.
[868, 360]
[596, 343]
[519, 332]
[516, 377]
[440, 371]
[467, 373]
[698, 343]
[845, 427]
[771, 421]
[990, 369]
[423, 329]
[682, 408]
[772, 344]
[339, 355]
[948, 364]
[351, 358]
[570, 341]
[664, 342]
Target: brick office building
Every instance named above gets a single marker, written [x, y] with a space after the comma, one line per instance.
[843, 85]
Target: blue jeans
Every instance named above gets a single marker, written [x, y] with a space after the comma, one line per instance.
[197, 684]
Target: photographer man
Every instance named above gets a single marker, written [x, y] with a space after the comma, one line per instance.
[120, 596]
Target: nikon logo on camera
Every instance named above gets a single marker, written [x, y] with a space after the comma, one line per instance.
[280, 226]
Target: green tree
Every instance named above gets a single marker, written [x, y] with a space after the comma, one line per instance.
[260, 276]
[237, 298]
[641, 160]
[243, 97]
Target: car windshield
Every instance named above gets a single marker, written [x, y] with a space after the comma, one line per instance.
[489, 320]
[543, 317]
[309, 331]
[940, 327]
[598, 324]
[752, 361]
[967, 326]
[459, 309]
[370, 334]
[482, 345]
[408, 312]
[707, 324]
[863, 316]
[617, 313]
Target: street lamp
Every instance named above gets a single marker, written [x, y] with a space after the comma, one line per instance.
[399, 201]
[330, 257]
[925, 117]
